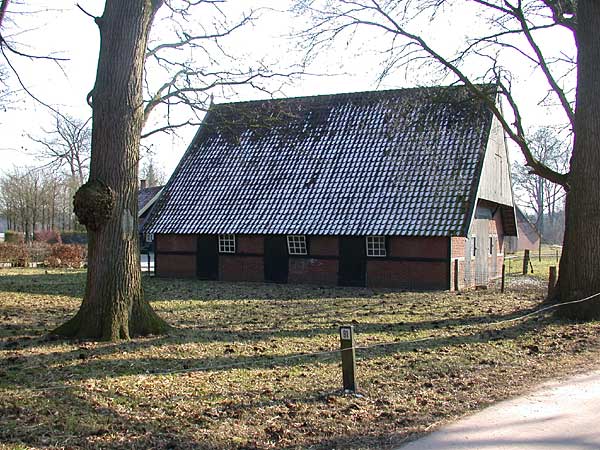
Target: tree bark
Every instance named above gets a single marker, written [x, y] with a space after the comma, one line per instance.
[579, 274]
[113, 306]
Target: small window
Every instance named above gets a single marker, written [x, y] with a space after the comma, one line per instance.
[376, 246]
[491, 246]
[227, 243]
[474, 246]
[297, 245]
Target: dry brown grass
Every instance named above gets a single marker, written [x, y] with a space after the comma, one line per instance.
[234, 375]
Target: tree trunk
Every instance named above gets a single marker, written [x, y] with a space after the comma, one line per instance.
[113, 306]
[579, 267]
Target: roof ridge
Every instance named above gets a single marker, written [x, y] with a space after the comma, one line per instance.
[381, 92]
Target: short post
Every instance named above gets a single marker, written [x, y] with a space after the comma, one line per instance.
[456, 275]
[148, 255]
[551, 281]
[503, 278]
[525, 262]
[348, 358]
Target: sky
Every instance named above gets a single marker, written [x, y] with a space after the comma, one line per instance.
[60, 29]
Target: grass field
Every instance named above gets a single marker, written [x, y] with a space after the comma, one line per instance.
[539, 262]
[253, 366]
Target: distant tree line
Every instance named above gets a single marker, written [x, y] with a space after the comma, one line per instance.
[38, 199]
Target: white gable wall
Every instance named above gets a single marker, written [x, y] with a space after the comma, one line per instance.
[495, 184]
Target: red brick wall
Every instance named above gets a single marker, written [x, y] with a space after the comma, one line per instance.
[250, 243]
[313, 271]
[324, 246]
[175, 266]
[241, 268]
[407, 274]
[411, 274]
[176, 243]
[418, 247]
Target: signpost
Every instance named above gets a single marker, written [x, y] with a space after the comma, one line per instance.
[348, 358]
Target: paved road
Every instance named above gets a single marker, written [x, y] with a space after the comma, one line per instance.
[560, 415]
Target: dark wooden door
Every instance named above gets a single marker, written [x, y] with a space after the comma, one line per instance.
[352, 269]
[276, 259]
[207, 262]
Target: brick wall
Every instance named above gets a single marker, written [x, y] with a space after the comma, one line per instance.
[175, 255]
[250, 243]
[313, 271]
[241, 268]
[175, 266]
[324, 246]
[407, 274]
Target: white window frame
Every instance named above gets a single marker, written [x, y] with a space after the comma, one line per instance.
[297, 244]
[376, 246]
[227, 243]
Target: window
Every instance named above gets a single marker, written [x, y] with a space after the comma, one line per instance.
[473, 246]
[226, 243]
[376, 246]
[491, 245]
[297, 245]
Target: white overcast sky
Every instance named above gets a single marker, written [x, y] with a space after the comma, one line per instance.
[66, 32]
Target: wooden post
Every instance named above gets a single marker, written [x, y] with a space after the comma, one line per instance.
[551, 280]
[525, 262]
[456, 275]
[503, 278]
[348, 358]
[148, 255]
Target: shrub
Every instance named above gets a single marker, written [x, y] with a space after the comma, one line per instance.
[14, 237]
[67, 255]
[48, 236]
[39, 251]
[15, 254]
[74, 237]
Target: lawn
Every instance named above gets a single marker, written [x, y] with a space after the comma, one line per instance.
[254, 366]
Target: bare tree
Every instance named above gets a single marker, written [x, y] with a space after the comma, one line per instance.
[113, 306]
[150, 172]
[67, 145]
[515, 27]
[537, 194]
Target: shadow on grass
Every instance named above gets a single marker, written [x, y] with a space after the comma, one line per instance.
[83, 363]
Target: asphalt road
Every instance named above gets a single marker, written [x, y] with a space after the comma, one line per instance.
[561, 415]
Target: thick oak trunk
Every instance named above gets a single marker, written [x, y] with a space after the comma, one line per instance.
[113, 306]
[580, 264]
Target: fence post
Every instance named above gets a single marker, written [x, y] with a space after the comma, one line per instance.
[551, 281]
[503, 278]
[348, 358]
[525, 262]
[456, 275]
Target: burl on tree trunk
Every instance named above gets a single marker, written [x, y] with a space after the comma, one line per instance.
[113, 306]
[579, 274]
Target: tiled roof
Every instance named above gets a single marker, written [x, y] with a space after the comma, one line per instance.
[400, 162]
[147, 194]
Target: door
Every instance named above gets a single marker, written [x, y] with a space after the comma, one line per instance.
[207, 261]
[353, 261]
[276, 259]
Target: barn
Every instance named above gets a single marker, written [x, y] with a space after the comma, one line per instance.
[404, 188]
